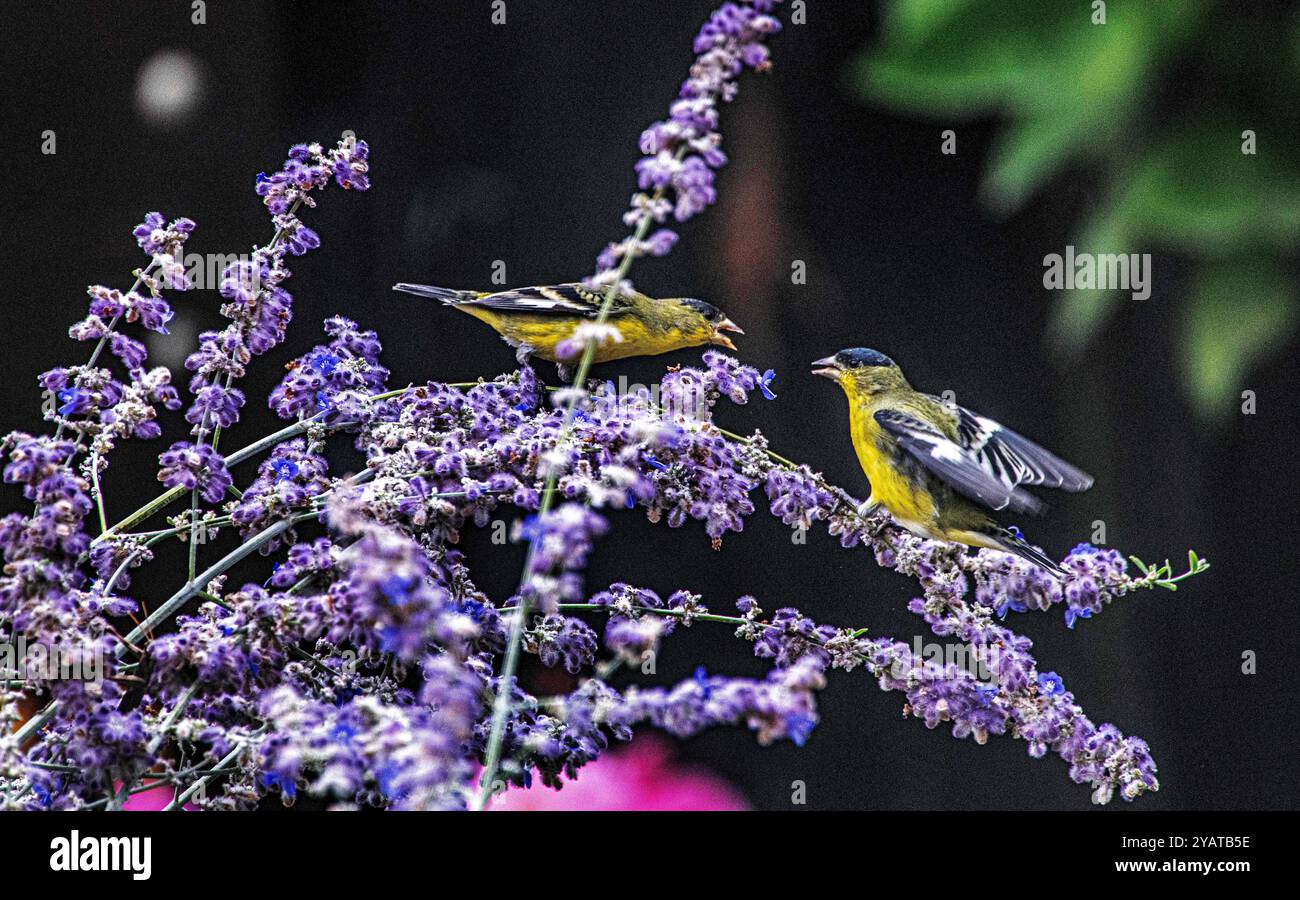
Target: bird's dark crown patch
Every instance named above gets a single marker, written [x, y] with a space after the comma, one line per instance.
[860, 357]
[708, 310]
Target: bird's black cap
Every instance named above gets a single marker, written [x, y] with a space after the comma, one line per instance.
[708, 310]
[861, 357]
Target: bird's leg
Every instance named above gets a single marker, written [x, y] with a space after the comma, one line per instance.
[868, 507]
[565, 372]
[523, 352]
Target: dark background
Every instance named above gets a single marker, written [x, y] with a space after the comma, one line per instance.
[516, 143]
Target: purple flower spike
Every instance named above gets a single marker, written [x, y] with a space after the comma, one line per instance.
[189, 466]
[676, 174]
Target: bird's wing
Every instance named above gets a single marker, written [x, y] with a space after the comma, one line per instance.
[561, 299]
[1014, 459]
[957, 466]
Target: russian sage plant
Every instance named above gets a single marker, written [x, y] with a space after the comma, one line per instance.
[368, 669]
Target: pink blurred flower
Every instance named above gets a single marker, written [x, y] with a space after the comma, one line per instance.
[152, 800]
[641, 776]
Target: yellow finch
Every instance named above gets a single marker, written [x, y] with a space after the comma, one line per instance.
[934, 465]
[542, 321]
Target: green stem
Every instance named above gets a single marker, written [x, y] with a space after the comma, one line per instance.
[99, 493]
[674, 613]
[775, 457]
[165, 499]
[194, 533]
[501, 704]
[172, 716]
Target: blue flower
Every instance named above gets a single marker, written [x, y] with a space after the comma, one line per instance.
[326, 363]
[763, 383]
[275, 567]
[284, 469]
[1072, 615]
[397, 588]
[798, 727]
[1050, 683]
[286, 784]
[75, 401]
[702, 679]
[1013, 605]
[531, 529]
[654, 463]
[387, 777]
[985, 693]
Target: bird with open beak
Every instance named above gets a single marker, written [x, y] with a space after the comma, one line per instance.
[552, 322]
[938, 467]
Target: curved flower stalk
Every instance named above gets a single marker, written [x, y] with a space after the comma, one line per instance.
[88, 399]
[681, 154]
[259, 309]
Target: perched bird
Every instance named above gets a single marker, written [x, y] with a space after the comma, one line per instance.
[537, 321]
[933, 465]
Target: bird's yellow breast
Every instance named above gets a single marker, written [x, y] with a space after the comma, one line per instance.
[907, 501]
[543, 332]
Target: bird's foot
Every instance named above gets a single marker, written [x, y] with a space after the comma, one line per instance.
[867, 508]
[523, 352]
[565, 372]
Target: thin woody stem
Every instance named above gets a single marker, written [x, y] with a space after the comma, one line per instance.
[108, 331]
[501, 704]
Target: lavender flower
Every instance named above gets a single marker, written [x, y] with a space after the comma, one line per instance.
[287, 482]
[332, 377]
[681, 152]
[216, 404]
[562, 640]
[559, 543]
[195, 467]
[89, 399]
[258, 306]
[155, 237]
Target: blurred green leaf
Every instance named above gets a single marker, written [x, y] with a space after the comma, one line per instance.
[1066, 84]
[913, 22]
[1240, 313]
[1195, 193]
[1080, 314]
[1198, 192]
[1025, 156]
[1070, 90]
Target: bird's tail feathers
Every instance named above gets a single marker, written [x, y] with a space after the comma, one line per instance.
[1012, 542]
[428, 291]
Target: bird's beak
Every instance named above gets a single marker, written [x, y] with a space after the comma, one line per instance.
[721, 339]
[828, 368]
